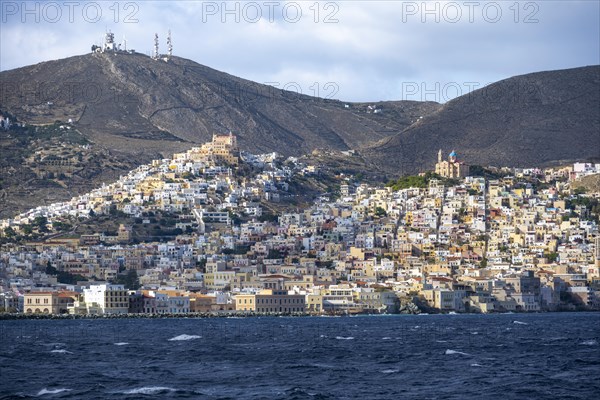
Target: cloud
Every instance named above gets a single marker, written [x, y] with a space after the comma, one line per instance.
[368, 48]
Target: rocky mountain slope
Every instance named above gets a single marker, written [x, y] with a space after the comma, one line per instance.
[530, 120]
[133, 103]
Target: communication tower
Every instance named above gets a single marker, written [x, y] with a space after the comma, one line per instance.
[155, 55]
[169, 45]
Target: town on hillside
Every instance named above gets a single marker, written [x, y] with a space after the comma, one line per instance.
[211, 231]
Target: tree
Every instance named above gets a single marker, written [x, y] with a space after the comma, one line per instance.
[40, 223]
[274, 253]
[552, 257]
[128, 279]
[50, 270]
[380, 212]
[68, 278]
[9, 232]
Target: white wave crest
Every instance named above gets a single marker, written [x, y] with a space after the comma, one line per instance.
[121, 344]
[390, 371]
[184, 337]
[450, 352]
[475, 365]
[61, 351]
[45, 391]
[520, 323]
[150, 390]
[344, 338]
[589, 343]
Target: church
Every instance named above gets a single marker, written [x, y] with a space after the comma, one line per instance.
[451, 168]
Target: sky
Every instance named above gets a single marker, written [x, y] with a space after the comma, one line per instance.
[363, 51]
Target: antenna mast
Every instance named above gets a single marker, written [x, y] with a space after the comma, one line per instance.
[169, 45]
[155, 55]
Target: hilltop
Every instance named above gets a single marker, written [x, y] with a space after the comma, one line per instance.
[536, 119]
[131, 100]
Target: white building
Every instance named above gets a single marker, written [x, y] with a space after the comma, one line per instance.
[106, 299]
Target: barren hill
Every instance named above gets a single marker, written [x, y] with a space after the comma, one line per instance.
[132, 102]
[530, 120]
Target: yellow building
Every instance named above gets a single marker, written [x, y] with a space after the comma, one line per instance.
[41, 303]
[219, 280]
[314, 303]
[269, 300]
[245, 302]
[124, 234]
[451, 168]
[221, 148]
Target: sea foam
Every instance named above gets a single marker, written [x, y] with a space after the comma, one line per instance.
[150, 390]
[45, 391]
[450, 352]
[184, 337]
[390, 371]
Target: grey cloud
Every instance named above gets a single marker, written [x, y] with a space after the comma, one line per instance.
[370, 52]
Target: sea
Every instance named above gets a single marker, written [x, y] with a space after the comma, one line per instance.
[507, 356]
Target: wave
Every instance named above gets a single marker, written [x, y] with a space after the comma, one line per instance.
[589, 343]
[475, 365]
[450, 352]
[344, 338]
[150, 390]
[121, 344]
[390, 371]
[520, 323]
[61, 351]
[557, 339]
[45, 391]
[184, 337]
[386, 338]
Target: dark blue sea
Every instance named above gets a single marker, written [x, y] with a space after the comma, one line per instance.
[509, 356]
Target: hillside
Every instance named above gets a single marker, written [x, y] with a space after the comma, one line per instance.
[131, 109]
[133, 103]
[590, 183]
[128, 109]
[530, 120]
